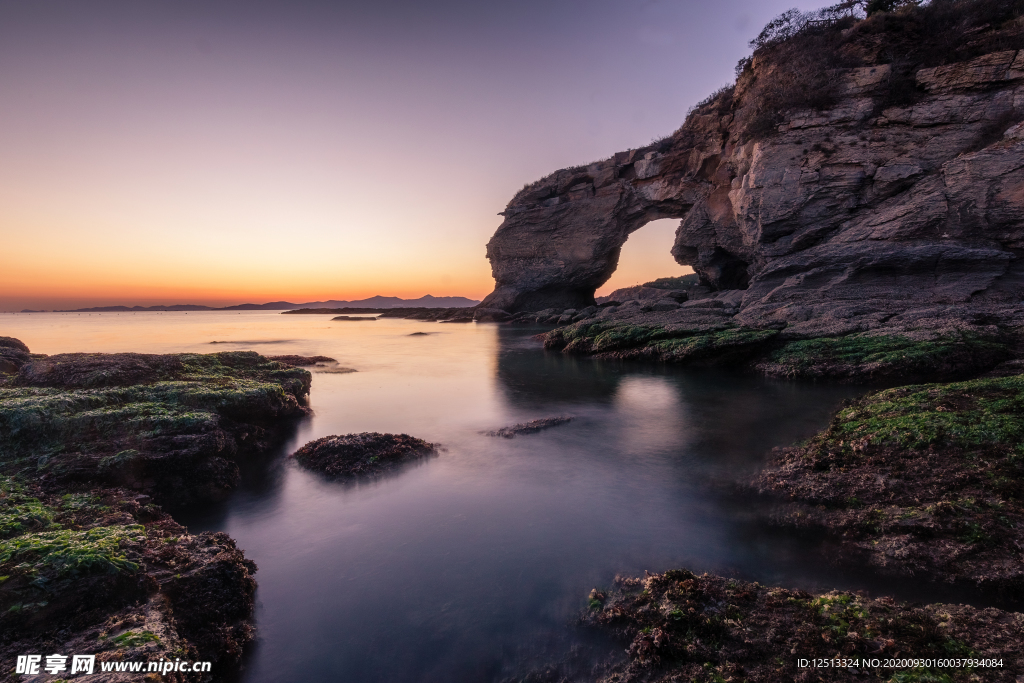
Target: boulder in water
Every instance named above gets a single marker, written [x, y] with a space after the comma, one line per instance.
[364, 453]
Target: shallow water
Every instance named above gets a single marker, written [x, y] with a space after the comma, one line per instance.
[471, 565]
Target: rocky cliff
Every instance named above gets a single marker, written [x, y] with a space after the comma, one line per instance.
[896, 199]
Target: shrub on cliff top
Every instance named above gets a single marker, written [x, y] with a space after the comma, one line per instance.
[798, 55]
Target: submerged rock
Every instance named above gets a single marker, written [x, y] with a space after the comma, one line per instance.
[363, 453]
[529, 427]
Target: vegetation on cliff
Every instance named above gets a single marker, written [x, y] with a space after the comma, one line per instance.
[656, 342]
[884, 356]
[799, 56]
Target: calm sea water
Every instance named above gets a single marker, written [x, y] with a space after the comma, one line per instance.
[472, 565]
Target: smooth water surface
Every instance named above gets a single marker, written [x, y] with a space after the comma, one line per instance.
[471, 566]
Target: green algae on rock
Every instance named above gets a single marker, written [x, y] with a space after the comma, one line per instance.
[103, 572]
[683, 627]
[914, 355]
[655, 342]
[361, 454]
[924, 479]
[874, 356]
[166, 424]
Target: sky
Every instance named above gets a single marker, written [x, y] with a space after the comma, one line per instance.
[226, 151]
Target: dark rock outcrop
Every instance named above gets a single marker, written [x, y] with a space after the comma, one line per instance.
[105, 572]
[530, 427]
[679, 625]
[90, 564]
[302, 361]
[361, 454]
[857, 215]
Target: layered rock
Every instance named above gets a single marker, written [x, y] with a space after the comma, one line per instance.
[842, 220]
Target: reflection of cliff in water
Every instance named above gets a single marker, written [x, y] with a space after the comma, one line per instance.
[531, 378]
[722, 418]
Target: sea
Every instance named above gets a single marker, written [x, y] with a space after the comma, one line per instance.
[476, 564]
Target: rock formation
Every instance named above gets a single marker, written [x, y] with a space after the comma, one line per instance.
[366, 453]
[835, 220]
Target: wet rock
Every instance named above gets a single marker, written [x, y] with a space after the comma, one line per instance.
[682, 626]
[13, 355]
[530, 427]
[168, 425]
[107, 573]
[921, 480]
[353, 318]
[302, 361]
[490, 315]
[12, 343]
[361, 454]
[665, 305]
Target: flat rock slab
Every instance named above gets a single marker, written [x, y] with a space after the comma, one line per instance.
[529, 427]
[303, 361]
[360, 454]
[352, 317]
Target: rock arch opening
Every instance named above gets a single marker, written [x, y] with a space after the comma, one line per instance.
[646, 256]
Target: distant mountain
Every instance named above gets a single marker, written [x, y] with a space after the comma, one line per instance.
[378, 301]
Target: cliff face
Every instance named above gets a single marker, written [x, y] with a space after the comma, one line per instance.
[837, 221]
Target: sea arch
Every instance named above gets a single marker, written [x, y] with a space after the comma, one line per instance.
[562, 236]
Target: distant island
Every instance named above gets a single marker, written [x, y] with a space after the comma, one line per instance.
[378, 301]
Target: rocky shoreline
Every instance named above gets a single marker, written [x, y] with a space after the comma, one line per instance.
[920, 480]
[679, 626]
[92, 446]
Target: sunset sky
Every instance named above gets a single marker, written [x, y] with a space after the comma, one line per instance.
[221, 152]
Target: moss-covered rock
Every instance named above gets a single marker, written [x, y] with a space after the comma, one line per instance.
[655, 342]
[867, 356]
[112, 574]
[679, 626]
[90, 569]
[860, 357]
[923, 479]
[166, 424]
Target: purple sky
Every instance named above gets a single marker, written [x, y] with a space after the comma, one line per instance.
[239, 151]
